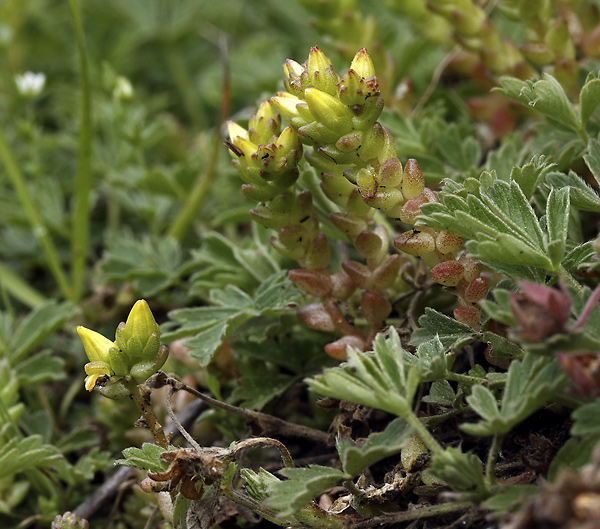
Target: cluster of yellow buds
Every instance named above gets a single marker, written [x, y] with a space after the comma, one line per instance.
[477, 33]
[267, 162]
[552, 31]
[135, 355]
[265, 158]
[338, 118]
[298, 228]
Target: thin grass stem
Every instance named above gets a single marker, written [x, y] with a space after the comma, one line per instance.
[19, 289]
[80, 218]
[17, 179]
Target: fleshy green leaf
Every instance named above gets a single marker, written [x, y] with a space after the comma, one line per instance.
[378, 446]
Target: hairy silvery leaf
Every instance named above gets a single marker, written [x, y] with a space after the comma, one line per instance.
[435, 325]
[441, 392]
[589, 98]
[592, 159]
[146, 458]
[209, 327]
[586, 419]
[531, 383]
[356, 459]
[381, 378]
[546, 96]
[557, 218]
[301, 487]
[500, 223]
[583, 197]
[462, 472]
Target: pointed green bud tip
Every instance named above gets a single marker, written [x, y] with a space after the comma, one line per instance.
[288, 140]
[139, 328]
[317, 62]
[264, 125]
[285, 104]
[96, 346]
[329, 111]
[362, 64]
[266, 111]
[291, 68]
[234, 130]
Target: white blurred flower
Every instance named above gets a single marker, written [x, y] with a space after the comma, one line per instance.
[123, 89]
[30, 84]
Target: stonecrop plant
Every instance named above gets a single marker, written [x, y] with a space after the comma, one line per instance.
[377, 279]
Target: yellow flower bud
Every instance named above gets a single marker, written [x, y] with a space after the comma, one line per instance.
[329, 111]
[140, 330]
[320, 72]
[285, 104]
[96, 346]
[362, 64]
[234, 130]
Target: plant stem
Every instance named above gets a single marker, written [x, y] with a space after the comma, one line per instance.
[341, 323]
[19, 288]
[184, 84]
[143, 404]
[80, 218]
[33, 216]
[413, 514]
[286, 457]
[490, 465]
[422, 432]
[256, 507]
[200, 190]
[587, 309]
[569, 279]
[268, 423]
